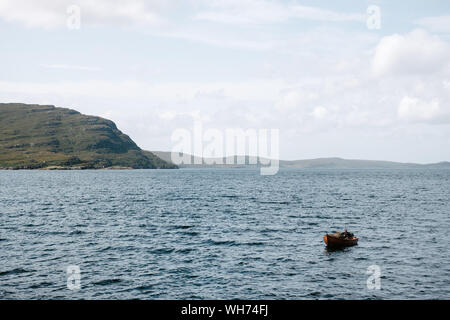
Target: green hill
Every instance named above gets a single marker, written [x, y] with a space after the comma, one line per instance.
[38, 136]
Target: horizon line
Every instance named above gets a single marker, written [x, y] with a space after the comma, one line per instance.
[306, 159]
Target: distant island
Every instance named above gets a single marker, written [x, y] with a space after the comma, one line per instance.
[320, 163]
[47, 137]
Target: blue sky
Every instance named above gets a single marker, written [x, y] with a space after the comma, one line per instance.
[313, 69]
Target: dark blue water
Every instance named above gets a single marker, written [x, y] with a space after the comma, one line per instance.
[223, 234]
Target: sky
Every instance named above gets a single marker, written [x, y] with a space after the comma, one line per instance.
[351, 79]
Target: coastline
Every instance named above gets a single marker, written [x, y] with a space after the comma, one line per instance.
[51, 168]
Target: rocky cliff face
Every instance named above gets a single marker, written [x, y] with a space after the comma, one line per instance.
[37, 136]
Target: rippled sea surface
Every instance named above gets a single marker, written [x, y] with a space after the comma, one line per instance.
[224, 234]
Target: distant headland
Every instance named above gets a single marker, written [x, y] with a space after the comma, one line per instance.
[320, 163]
[47, 137]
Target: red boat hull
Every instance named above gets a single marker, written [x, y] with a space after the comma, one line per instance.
[335, 242]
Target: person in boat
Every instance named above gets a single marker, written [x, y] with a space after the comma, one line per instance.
[346, 234]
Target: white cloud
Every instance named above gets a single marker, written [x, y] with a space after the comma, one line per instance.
[317, 14]
[167, 22]
[170, 92]
[69, 67]
[414, 109]
[220, 39]
[319, 112]
[168, 115]
[414, 53]
[241, 11]
[435, 24]
[295, 99]
[53, 14]
[262, 12]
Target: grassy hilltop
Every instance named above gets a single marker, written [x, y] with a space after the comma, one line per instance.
[38, 136]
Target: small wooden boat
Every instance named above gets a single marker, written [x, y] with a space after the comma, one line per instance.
[334, 240]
